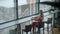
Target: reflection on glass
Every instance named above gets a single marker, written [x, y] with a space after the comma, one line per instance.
[6, 10]
[26, 8]
[45, 7]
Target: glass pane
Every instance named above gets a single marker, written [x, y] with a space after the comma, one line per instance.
[47, 0]
[27, 8]
[45, 7]
[7, 12]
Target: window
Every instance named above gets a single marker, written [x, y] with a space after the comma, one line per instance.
[7, 11]
[27, 7]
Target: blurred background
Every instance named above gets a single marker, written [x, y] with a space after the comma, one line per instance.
[29, 17]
